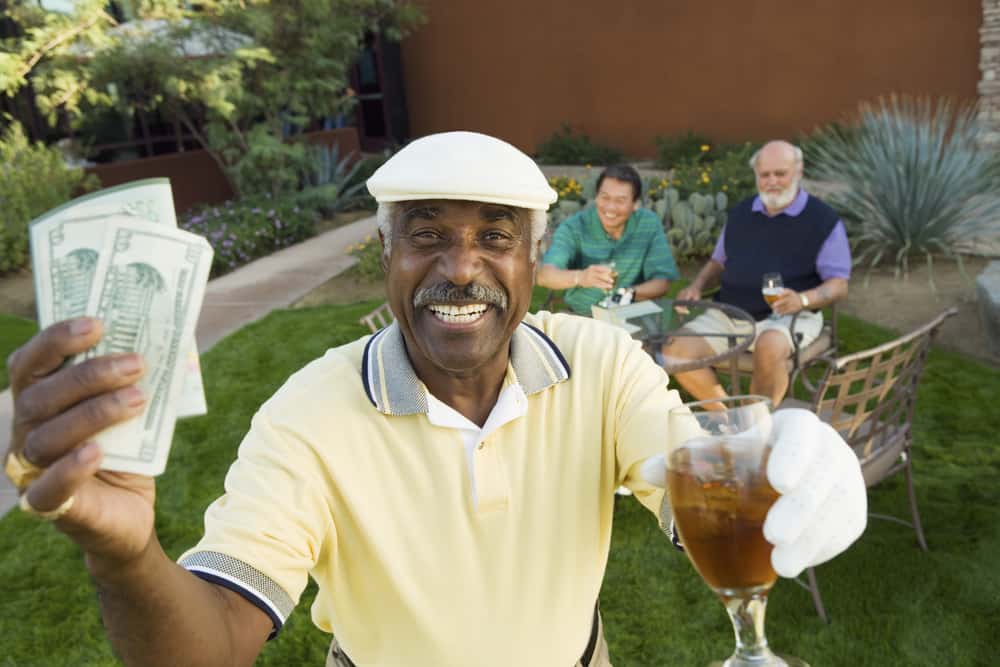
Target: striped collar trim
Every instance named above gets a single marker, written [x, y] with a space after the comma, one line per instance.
[394, 388]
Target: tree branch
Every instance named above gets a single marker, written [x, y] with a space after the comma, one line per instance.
[60, 39]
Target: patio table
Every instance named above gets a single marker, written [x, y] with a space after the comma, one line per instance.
[653, 329]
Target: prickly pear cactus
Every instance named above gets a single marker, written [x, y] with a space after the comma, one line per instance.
[695, 225]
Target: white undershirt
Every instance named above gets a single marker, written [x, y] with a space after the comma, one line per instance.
[511, 404]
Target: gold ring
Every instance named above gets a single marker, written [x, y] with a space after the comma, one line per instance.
[50, 515]
[21, 471]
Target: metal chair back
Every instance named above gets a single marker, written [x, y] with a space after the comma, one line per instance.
[869, 398]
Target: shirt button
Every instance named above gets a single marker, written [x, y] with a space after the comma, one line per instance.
[481, 445]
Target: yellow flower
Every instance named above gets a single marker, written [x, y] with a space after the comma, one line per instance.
[705, 148]
[587, 166]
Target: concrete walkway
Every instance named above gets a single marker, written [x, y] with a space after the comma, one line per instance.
[243, 296]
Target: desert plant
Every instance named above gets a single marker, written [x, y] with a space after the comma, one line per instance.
[694, 224]
[685, 148]
[565, 147]
[916, 180]
[33, 179]
[329, 184]
[847, 131]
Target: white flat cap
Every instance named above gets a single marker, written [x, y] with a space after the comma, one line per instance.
[462, 165]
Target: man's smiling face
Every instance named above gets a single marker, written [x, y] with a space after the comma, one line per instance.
[459, 279]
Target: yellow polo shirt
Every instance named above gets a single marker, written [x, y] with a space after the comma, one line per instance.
[428, 551]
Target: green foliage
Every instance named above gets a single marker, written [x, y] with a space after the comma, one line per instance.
[916, 180]
[728, 172]
[330, 183]
[14, 332]
[695, 224]
[241, 231]
[946, 618]
[823, 136]
[235, 75]
[33, 179]
[565, 147]
[365, 168]
[268, 166]
[686, 148]
[369, 254]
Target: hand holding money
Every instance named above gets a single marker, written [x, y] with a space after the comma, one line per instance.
[58, 409]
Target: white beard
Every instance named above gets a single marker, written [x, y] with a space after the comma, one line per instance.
[781, 199]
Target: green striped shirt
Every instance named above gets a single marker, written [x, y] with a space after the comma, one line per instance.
[641, 254]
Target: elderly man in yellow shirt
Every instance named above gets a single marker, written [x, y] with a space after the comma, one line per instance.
[448, 481]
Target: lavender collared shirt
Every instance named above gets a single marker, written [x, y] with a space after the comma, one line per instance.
[834, 257]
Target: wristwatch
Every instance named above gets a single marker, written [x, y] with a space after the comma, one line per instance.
[804, 299]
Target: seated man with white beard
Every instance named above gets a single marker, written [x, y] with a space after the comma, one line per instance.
[782, 230]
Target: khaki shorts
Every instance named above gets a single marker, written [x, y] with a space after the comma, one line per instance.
[807, 327]
[600, 658]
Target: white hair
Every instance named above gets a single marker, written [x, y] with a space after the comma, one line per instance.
[387, 212]
[796, 153]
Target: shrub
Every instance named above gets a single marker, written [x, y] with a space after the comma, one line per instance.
[369, 254]
[33, 180]
[565, 147]
[729, 172]
[567, 187]
[917, 181]
[267, 165]
[686, 148]
[241, 231]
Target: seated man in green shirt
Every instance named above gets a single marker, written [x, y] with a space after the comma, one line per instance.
[615, 229]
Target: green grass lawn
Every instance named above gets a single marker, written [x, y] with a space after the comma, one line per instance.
[14, 331]
[891, 604]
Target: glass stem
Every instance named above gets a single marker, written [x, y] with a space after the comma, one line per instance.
[747, 616]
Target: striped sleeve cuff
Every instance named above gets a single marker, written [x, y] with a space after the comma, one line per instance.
[239, 577]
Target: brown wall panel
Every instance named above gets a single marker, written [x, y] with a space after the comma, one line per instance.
[194, 176]
[626, 72]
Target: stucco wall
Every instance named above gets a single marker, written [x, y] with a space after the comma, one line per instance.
[626, 72]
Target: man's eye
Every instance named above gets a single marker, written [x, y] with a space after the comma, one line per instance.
[424, 236]
[498, 239]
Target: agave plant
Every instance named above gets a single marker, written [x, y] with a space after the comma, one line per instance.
[917, 181]
[330, 183]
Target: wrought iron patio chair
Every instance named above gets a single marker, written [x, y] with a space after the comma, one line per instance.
[869, 398]
[379, 318]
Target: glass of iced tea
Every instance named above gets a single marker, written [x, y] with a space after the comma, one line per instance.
[720, 496]
[771, 288]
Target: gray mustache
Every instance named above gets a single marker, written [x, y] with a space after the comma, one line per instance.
[449, 293]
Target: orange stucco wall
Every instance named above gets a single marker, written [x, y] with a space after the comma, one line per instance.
[625, 72]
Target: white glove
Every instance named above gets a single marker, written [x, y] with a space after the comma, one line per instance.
[823, 506]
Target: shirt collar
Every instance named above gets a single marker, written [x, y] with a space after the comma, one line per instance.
[794, 209]
[394, 388]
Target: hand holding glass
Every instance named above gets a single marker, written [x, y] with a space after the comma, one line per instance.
[720, 496]
[772, 288]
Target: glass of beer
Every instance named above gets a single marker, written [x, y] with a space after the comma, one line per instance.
[608, 293]
[772, 288]
[719, 496]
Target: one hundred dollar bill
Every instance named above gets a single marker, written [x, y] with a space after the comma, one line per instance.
[66, 243]
[149, 283]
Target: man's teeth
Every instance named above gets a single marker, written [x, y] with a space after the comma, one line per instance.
[467, 313]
